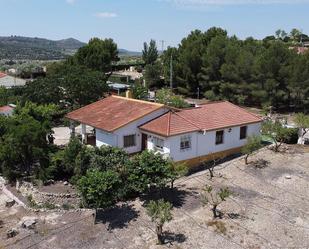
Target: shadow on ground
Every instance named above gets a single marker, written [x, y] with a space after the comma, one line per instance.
[170, 238]
[117, 217]
[178, 197]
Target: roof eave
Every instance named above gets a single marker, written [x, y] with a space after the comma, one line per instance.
[117, 128]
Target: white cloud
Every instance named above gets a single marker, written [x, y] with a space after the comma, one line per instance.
[106, 15]
[233, 2]
[70, 1]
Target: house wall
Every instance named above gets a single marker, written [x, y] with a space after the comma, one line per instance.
[204, 144]
[105, 138]
[151, 146]
[115, 139]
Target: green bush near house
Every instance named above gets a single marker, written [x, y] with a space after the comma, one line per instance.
[293, 136]
[99, 189]
[148, 170]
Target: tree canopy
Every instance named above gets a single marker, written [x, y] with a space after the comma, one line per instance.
[250, 72]
[150, 52]
[68, 86]
[97, 55]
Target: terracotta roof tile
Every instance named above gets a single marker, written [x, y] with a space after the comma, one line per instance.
[113, 112]
[2, 74]
[211, 116]
[6, 108]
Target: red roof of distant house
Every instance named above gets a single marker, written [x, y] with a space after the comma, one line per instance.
[207, 117]
[6, 108]
[2, 75]
[113, 112]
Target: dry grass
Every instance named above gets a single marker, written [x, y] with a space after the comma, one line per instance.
[218, 225]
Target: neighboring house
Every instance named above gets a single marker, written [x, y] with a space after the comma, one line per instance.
[9, 81]
[216, 129]
[7, 110]
[118, 88]
[300, 50]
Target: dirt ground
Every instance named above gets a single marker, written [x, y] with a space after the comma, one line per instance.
[269, 208]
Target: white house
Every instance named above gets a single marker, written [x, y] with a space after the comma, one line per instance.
[8, 81]
[193, 135]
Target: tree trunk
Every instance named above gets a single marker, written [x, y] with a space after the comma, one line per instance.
[246, 159]
[276, 147]
[94, 215]
[159, 235]
[211, 172]
[214, 211]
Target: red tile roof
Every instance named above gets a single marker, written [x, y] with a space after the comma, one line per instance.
[113, 112]
[207, 117]
[6, 108]
[2, 75]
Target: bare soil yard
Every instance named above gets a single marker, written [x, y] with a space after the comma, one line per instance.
[269, 209]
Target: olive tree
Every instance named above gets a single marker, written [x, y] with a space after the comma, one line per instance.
[214, 198]
[277, 132]
[160, 213]
[211, 164]
[177, 170]
[253, 144]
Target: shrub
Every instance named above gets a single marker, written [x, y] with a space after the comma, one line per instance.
[293, 136]
[63, 162]
[109, 158]
[99, 189]
[67, 206]
[148, 170]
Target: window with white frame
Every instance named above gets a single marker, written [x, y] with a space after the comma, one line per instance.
[129, 141]
[185, 142]
[158, 143]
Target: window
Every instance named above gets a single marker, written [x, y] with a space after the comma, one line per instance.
[158, 143]
[185, 142]
[129, 141]
[243, 132]
[219, 137]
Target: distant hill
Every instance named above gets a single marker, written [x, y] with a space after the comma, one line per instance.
[28, 48]
[124, 52]
[33, 48]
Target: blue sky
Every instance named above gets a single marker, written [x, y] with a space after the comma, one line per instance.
[131, 22]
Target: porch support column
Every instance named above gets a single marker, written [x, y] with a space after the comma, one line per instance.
[84, 134]
[72, 129]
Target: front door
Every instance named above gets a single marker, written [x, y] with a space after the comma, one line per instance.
[144, 141]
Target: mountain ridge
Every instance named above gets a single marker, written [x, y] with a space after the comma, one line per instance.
[34, 48]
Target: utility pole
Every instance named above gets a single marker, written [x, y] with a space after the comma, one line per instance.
[171, 72]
